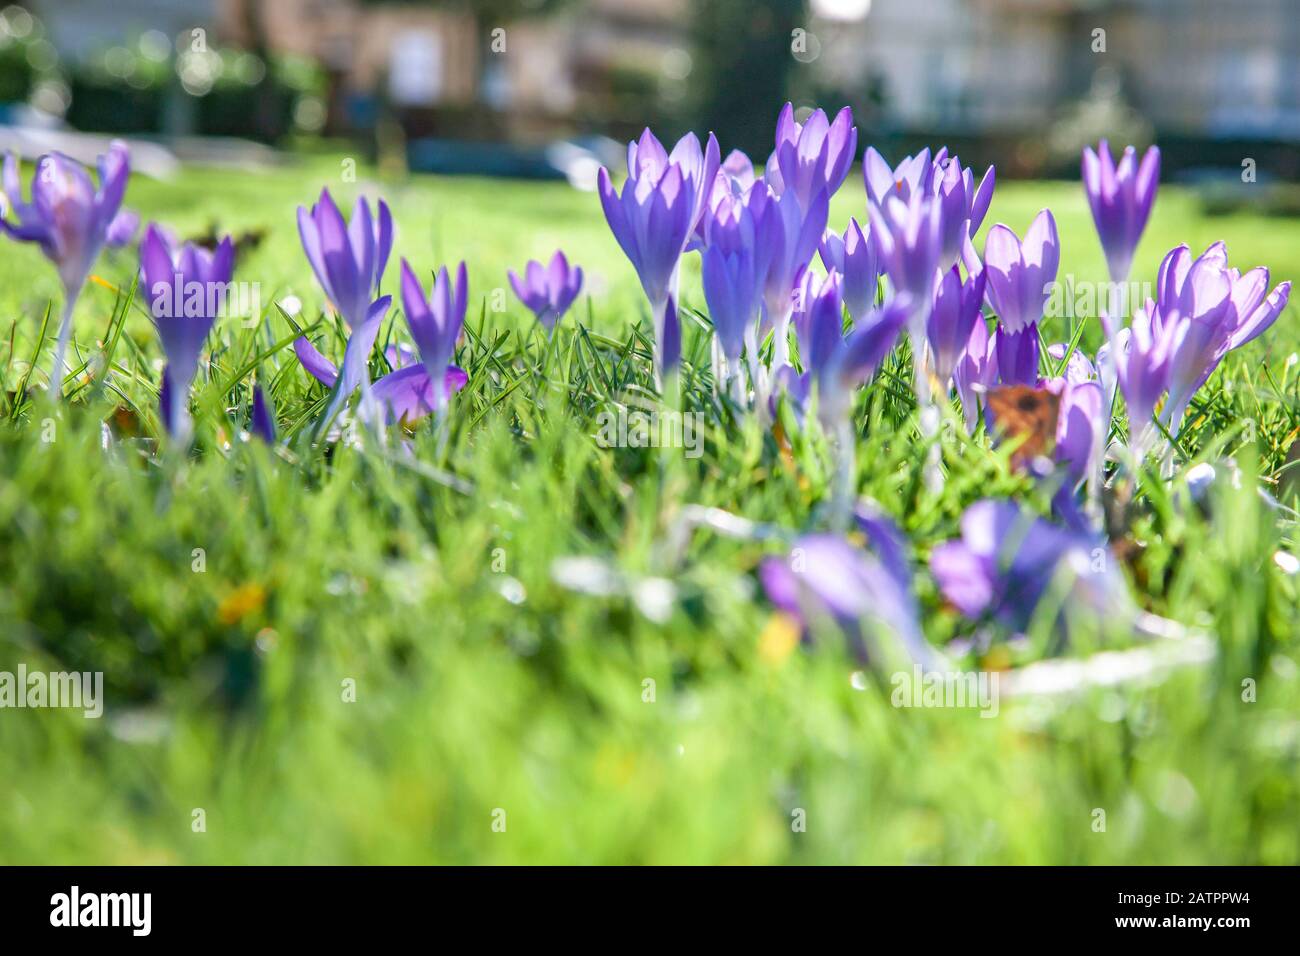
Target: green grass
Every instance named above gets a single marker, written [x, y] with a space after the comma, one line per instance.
[482, 683]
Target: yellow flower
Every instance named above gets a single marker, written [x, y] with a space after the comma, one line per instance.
[780, 636]
[244, 600]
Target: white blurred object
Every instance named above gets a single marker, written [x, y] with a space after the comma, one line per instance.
[415, 69]
[845, 11]
[1177, 649]
[581, 161]
[32, 142]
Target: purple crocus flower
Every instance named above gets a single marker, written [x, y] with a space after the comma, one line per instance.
[733, 284]
[909, 235]
[734, 180]
[186, 290]
[1082, 427]
[405, 394]
[886, 541]
[786, 239]
[1080, 424]
[399, 355]
[962, 205]
[356, 358]
[436, 321]
[979, 197]
[1078, 369]
[955, 312]
[819, 320]
[796, 389]
[975, 373]
[548, 291]
[655, 217]
[915, 174]
[941, 176]
[408, 394]
[838, 365]
[955, 205]
[69, 219]
[1223, 309]
[854, 256]
[1008, 560]
[348, 258]
[1020, 275]
[872, 339]
[827, 580]
[812, 156]
[1121, 198]
[735, 176]
[1143, 371]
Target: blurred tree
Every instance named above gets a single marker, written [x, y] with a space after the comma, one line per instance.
[267, 107]
[741, 75]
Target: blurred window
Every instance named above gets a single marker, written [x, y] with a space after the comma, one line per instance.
[415, 67]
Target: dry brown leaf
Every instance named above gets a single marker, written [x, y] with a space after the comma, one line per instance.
[1027, 417]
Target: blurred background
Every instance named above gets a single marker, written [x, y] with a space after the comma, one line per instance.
[224, 685]
[549, 88]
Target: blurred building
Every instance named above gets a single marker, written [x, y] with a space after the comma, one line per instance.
[596, 62]
[1190, 67]
[429, 56]
[1027, 78]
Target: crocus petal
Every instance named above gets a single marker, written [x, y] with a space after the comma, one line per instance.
[419, 316]
[383, 242]
[1080, 419]
[1262, 317]
[262, 423]
[345, 283]
[156, 263]
[361, 343]
[871, 341]
[615, 215]
[317, 365]
[671, 337]
[1017, 356]
[310, 237]
[878, 176]
[122, 229]
[962, 577]
[825, 579]
[114, 171]
[361, 240]
[983, 197]
[407, 395]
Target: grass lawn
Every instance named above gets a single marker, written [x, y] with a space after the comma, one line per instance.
[234, 600]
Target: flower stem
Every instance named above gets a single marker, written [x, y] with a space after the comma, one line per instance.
[757, 380]
[60, 370]
[843, 489]
[927, 413]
